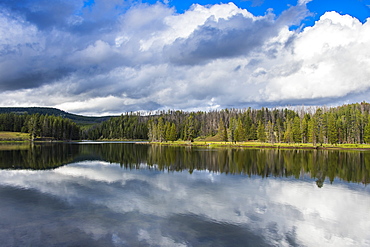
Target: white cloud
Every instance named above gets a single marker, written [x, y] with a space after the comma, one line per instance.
[302, 2]
[151, 57]
[333, 58]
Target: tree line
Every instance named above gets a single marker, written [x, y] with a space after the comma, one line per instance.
[40, 126]
[317, 125]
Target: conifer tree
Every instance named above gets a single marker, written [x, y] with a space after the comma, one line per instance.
[296, 130]
[312, 131]
[270, 132]
[240, 132]
[253, 132]
[261, 134]
[173, 133]
[288, 134]
[222, 131]
[367, 131]
[167, 128]
[160, 130]
[332, 129]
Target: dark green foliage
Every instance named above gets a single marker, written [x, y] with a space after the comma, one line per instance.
[321, 165]
[261, 134]
[270, 132]
[240, 132]
[55, 112]
[129, 126]
[222, 131]
[37, 126]
[332, 129]
[344, 124]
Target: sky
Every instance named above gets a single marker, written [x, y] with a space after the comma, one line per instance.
[104, 57]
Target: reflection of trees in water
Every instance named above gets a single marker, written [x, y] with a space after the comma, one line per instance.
[348, 166]
[319, 164]
[37, 156]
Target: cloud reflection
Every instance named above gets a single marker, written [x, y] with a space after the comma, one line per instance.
[178, 209]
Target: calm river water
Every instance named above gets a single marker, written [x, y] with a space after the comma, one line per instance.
[125, 194]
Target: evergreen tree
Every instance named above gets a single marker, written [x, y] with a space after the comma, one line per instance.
[222, 131]
[367, 131]
[253, 132]
[173, 133]
[270, 132]
[288, 134]
[312, 131]
[160, 130]
[296, 130]
[231, 129]
[304, 128]
[190, 132]
[332, 129]
[240, 132]
[167, 128]
[261, 134]
[279, 130]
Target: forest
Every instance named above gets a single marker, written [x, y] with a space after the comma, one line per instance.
[318, 125]
[40, 126]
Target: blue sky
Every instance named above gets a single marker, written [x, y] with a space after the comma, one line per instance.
[356, 8]
[101, 57]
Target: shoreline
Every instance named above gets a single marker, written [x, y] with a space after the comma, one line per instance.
[215, 144]
[301, 146]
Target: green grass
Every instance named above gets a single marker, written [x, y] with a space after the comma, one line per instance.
[255, 144]
[13, 136]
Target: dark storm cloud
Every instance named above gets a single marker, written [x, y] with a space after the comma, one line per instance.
[26, 80]
[44, 42]
[233, 37]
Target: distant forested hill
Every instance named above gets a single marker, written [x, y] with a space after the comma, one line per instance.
[56, 112]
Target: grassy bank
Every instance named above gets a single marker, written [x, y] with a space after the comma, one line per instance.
[251, 144]
[6, 136]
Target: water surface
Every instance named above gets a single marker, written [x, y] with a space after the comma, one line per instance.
[122, 194]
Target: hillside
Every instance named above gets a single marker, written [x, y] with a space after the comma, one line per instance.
[79, 119]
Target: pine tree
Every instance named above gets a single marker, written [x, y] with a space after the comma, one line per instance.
[253, 132]
[312, 131]
[261, 134]
[173, 132]
[297, 136]
[270, 132]
[304, 128]
[288, 134]
[222, 131]
[190, 131]
[240, 132]
[167, 128]
[332, 129]
[279, 129]
[231, 130]
[34, 126]
[160, 130]
[367, 131]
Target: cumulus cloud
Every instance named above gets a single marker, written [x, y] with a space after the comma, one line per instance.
[333, 58]
[147, 57]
